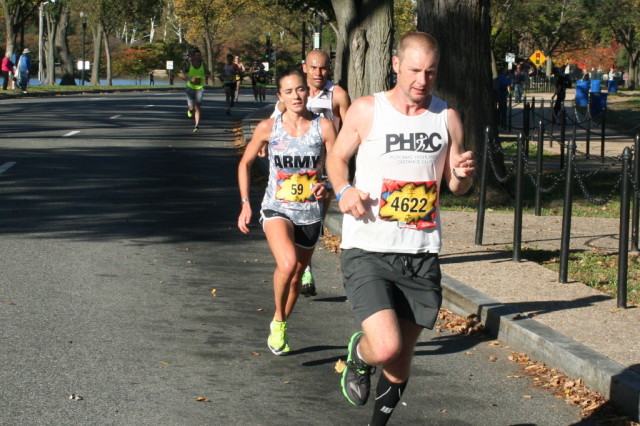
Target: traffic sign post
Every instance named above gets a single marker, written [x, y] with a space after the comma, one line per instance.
[537, 58]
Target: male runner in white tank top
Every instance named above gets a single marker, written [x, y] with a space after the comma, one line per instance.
[407, 143]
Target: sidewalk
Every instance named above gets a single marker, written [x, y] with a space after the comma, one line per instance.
[571, 327]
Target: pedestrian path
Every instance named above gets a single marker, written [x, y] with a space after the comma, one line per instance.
[571, 327]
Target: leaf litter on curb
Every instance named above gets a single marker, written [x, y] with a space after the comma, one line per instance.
[592, 404]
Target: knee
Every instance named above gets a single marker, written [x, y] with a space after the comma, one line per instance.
[287, 266]
[385, 351]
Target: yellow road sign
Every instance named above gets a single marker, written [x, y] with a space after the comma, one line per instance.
[537, 58]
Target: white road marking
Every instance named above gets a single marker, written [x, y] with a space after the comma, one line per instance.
[7, 166]
[71, 133]
[116, 116]
[148, 106]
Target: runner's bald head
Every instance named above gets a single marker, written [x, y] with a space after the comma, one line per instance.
[318, 55]
[417, 40]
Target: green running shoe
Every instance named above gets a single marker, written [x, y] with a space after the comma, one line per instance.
[189, 113]
[308, 284]
[278, 338]
[356, 377]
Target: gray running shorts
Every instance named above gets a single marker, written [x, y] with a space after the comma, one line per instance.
[305, 236]
[194, 96]
[407, 283]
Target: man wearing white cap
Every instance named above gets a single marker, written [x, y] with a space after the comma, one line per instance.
[24, 68]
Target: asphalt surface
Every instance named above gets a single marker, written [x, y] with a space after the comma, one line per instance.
[113, 240]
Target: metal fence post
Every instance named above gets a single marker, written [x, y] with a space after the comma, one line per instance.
[525, 118]
[589, 121]
[566, 215]
[623, 249]
[563, 135]
[510, 112]
[602, 135]
[483, 186]
[517, 222]
[539, 160]
[636, 203]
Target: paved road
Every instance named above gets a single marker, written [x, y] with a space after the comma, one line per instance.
[112, 240]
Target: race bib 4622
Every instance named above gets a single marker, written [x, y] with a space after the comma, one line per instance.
[411, 204]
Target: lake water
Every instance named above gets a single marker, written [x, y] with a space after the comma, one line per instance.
[119, 82]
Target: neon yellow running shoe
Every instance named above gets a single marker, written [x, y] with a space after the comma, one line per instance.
[278, 338]
[308, 284]
[189, 113]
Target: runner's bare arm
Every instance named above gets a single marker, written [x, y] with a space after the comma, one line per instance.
[341, 103]
[260, 138]
[460, 165]
[355, 128]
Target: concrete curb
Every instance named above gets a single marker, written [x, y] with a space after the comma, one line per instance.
[619, 384]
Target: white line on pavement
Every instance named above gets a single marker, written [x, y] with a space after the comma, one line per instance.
[116, 116]
[148, 106]
[71, 133]
[7, 166]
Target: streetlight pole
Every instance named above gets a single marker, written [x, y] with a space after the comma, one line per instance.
[84, 32]
[40, 22]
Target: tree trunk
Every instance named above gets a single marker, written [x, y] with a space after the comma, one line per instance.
[208, 47]
[10, 42]
[96, 32]
[364, 46]
[634, 59]
[62, 48]
[50, 61]
[345, 13]
[462, 28]
[107, 54]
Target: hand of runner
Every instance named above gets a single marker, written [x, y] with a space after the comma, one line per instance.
[319, 190]
[245, 218]
[354, 202]
[465, 164]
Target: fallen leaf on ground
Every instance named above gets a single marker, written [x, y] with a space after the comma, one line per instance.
[213, 292]
[202, 399]
[340, 366]
[254, 353]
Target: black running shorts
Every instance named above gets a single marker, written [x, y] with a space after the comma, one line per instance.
[305, 236]
[407, 283]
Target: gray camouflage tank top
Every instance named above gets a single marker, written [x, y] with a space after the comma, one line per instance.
[294, 165]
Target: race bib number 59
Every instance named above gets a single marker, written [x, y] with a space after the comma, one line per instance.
[296, 187]
[411, 204]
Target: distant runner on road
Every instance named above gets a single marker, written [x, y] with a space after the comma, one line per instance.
[195, 73]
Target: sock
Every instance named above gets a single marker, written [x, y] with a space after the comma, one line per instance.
[387, 397]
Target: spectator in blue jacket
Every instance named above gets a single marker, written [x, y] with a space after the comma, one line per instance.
[24, 68]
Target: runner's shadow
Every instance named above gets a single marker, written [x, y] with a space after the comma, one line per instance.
[340, 299]
[449, 344]
[320, 348]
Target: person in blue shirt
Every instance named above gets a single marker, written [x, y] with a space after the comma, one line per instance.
[24, 68]
[502, 85]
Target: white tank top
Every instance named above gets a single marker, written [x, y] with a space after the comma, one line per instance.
[295, 164]
[400, 164]
[321, 104]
